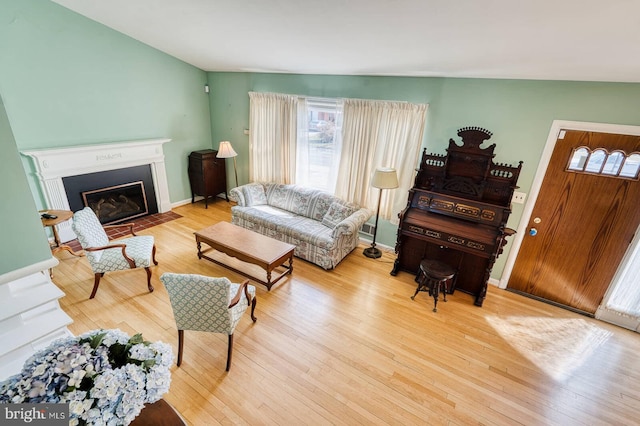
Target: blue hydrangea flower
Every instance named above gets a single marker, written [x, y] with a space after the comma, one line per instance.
[106, 376]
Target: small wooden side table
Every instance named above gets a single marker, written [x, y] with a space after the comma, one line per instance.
[63, 216]
[160, 413]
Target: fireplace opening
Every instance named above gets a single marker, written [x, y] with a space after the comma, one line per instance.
[117, 203]
[115, 195]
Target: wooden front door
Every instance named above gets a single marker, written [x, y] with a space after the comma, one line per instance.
[583, 222]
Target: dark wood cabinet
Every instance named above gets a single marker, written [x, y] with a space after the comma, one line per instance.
[207, 175]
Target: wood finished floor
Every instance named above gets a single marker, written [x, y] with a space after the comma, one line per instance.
[349, 347]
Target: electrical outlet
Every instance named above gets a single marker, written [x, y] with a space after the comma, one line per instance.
[519, 197]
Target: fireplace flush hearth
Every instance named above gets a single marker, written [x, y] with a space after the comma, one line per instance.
[54, 165]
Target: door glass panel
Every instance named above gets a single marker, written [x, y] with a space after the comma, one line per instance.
[631, 166]
[613, 164]
[596, 160]
[579, 158]
[626, 297]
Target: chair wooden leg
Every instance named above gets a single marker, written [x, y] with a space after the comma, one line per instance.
[180, 345]
[153, 255]
[96, 283]
[253, 308]
[149, 286]
[229, 351]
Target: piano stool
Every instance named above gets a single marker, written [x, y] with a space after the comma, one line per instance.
[434, 277]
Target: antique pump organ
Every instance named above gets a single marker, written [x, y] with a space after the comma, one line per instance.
[457, 212]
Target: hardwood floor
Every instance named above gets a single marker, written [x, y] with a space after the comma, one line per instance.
[349, 346]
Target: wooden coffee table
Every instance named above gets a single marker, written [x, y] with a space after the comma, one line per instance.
[247, 246]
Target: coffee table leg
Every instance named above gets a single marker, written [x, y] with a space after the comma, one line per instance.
[199, 249]
[268, 284]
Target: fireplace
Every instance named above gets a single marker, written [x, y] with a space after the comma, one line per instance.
[117, 203]
[114, 195]
[87, 162]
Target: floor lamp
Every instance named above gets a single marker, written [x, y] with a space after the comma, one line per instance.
[383, 178]
[226, 151]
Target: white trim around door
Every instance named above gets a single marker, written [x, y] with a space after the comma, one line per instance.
[556, 127]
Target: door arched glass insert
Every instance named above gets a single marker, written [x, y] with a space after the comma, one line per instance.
[601, 162]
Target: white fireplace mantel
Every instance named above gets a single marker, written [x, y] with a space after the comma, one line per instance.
[54, 164]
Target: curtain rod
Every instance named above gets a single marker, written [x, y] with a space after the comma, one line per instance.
[334, 100]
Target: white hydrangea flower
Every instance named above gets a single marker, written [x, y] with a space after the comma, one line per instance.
[142, 352]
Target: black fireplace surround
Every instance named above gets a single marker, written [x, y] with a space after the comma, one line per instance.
[119, 184]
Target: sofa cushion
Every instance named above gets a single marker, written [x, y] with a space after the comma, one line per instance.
[266, 216]
[254, 194]
[320, 205]
[307, 230]
[283, 225]
[337, 213]
[307, 202]
[288, 197]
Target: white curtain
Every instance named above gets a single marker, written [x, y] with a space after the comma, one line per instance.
[302, 176]
[272, 137]
[379, 134]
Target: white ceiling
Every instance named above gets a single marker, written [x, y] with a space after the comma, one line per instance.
[587, 40]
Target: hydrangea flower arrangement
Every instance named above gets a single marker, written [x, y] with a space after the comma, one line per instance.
[105, 376]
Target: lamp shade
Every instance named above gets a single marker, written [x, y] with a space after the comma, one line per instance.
[385, 178]
[226, 150]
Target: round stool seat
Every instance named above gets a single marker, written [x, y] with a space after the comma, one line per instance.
[437, 270]
[433, 277]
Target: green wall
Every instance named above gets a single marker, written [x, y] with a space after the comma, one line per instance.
[23, 238]
[67, 80]
[518, 112]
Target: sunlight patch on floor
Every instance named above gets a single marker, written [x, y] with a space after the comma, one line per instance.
[557, 346]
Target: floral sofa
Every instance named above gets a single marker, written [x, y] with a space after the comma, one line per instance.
[323, 227]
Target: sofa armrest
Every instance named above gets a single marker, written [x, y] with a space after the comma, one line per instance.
[236, 195]
[352, 224]
[250, 194]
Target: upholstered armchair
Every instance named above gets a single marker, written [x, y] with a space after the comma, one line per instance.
[107, 256]
[202, 303]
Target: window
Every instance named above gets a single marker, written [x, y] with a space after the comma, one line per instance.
[631, 166]
[601, 162]
[596, 160]
[318, 143]
[307, 141]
